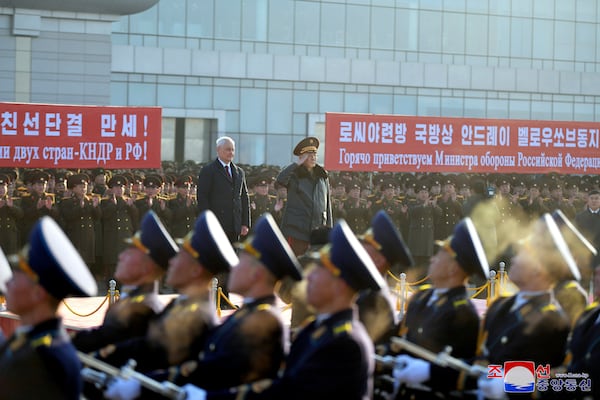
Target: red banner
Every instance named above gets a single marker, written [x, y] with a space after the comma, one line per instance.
[366, 142]
[65, 136]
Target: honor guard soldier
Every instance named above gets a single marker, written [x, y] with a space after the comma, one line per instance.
[385, 246]
[11, 215]
[442, 315]
[153, 185]
[180, 330]
[356, 213]
[184, 208]
[332, 356]
[37, 203]
[389, 203]
[529, 325]
[38, 361]
[261, 201]
[119, 215]
[556, 201]
[139, 268]
[78, 214]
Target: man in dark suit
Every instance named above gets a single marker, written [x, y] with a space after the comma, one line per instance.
[222, 189]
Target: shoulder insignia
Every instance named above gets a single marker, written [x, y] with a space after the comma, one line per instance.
[138, 299]
[345, 327]
[549, 307]
[424, 287]
[263, 307]
[44, 341]
[459, 303]
[592, 305]
[319, 332]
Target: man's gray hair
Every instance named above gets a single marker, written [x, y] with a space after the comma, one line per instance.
[221, 140]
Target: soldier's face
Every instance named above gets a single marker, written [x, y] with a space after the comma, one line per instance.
[262, 190]
[242, 275]
[132, 266]
[183, 268]
[19, 292]
[319, 288]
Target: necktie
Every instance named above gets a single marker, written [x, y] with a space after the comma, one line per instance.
[228, 171]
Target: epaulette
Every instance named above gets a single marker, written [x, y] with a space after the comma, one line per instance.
[592, 305]
[424, 287]
[549, 307]
[272, 197]
[342, 328]
[459, 303]
[138, 299]
[264, 307]
[43, 341]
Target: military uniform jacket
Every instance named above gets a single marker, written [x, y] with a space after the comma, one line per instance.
[584, 348]
[308, 203]
[31, 213]
[40, 364]
[537, 331]
[127, 318]
[260, 205]
[10, 217]
[182, 216]
[421, 229]
[176, 335]
[247, 346]
[117, 225]
[143, 206]
[451, 320]
[78, 223]
[357, 215]
[451, 214]
[332, 360]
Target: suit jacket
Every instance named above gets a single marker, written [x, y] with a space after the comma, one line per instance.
[584, 349]
[227, 198]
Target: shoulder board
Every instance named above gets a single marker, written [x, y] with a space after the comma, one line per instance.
[549, 307]
[272, 197]
[263, 307]
[343, 328]
[592, 305]
[459, 303]
[43, 341]
[424, 287]
[138, 299]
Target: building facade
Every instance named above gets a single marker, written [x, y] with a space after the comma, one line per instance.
[266, 72]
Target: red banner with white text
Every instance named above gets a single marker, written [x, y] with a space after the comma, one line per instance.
[71, 136]
[367, 142]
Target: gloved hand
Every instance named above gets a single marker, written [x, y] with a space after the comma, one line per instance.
[491, 388]
[123, 389]
[194, 392]
[410, 370]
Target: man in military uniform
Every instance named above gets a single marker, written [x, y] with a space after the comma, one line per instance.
[38, 361]
[37, 203]
[450, 204]
[153, 185]
[390, 204]
[10, 218]
[79, 213]
[421, 218]
[355, 210]
[442, 315]
[556, 201]
[119, 216]
[184, 208]
[262, 202]
[386, 247]
[139, 268]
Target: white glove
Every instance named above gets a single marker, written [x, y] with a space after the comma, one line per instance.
[491, 388]
[410, 370]
[123, 389]
[194, 392]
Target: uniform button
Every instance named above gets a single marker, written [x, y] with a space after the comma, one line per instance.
[504, 340]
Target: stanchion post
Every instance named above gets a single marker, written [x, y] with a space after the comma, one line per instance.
[502, 277]
[402, 295]
[492, 287]
[112, 292]
[213, 292]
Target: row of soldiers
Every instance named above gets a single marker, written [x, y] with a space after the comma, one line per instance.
[184, 349]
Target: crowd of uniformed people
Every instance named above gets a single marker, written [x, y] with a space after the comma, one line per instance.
[144, 229]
